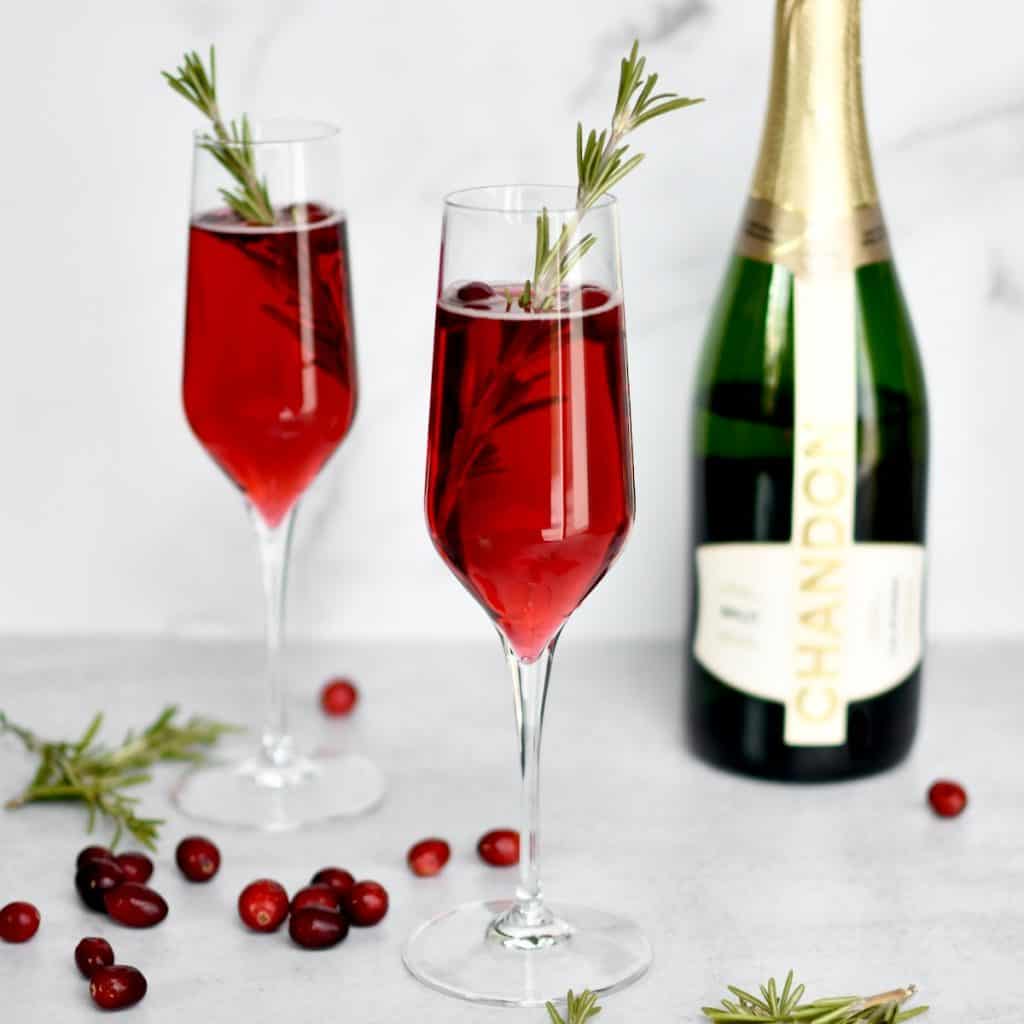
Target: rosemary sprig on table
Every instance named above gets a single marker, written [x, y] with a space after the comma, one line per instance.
[784, 1007]
[579, 1008]
[601, 163]
[231, 144]
[98, 776]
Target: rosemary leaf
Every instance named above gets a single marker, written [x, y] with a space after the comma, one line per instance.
[98, 776]
[601, 164]
[230, 144]
[773, 1007]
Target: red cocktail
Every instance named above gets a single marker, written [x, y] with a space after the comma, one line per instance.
[270, 386]
[529, 470]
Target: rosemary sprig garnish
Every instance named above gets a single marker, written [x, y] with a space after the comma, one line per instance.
[601, 163]
[231, 145]
[98, 776]
[580, 1008]
[784, 1007]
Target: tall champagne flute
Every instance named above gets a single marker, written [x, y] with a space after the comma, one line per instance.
[270, 392]
[529, 498]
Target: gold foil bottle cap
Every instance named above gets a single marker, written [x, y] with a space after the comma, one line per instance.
[814, 202]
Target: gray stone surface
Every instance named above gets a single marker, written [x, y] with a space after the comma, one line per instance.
[857, 886]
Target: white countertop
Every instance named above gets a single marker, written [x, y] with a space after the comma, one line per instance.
[857, 886]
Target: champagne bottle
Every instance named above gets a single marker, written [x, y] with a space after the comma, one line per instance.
[810, 440]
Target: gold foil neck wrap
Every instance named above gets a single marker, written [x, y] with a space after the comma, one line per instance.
[814, 167]
[809, 247]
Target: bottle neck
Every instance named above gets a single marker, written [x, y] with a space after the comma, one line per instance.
[815, 159]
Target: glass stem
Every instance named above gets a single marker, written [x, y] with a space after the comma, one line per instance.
[530, 683]
[274, 544]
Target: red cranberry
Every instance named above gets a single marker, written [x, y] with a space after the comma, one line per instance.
[591, 297]
[428, 856]
[263, 905]
[198, 858]
[475, 291]
[18, 922]
[365, 904]
[91, 954]
[947, 798]
[115, 987]
[91, 853]
[321, 896]
[340, 880]
[338, 697]
[137, 867]
[95, 879]
[314, 928]
[499, 847]
[136, 906]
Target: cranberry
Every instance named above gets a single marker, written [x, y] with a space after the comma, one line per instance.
[137, 867]
[263, 905]
[91, 853]
[947, 798]
[591, 297]
[198, 858]
[315, 928]
[95, 878]
[136, 906]
[500, 847]
[340, 880]
[18, 922]
[428, 856]
[475, 291]
[113, 988]
[91, 954]
[320, 895]
[338, 697]
[365, 904]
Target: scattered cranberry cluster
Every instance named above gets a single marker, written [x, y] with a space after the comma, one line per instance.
[319, 914]
[499, 848]
[115, 884]
[112, 986]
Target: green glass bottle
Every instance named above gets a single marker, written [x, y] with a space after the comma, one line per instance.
[810, 447]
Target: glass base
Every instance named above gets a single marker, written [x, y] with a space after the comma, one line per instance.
[476, 952]
[257, 794]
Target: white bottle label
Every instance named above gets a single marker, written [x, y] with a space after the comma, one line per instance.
[819, 622]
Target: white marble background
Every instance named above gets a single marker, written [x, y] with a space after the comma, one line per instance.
[114, 519]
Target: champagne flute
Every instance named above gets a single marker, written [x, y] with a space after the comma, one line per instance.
[529, 498]
[270, 393]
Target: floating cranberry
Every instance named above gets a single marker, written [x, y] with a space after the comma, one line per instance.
[137, 867]
[96, 878]
[198, 858]
[314, 928]
[136, 906]
[365, 904]
[91, 853]
[340, 880]
[592, 297]
[947, 798]
[18, 922]
[263, 905]
[91, 954]
[475, 291]
[428, 856]
[338, 697]
[500, 847]
[321, 896]
[115, 987]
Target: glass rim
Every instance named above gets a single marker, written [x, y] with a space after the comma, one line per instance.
[303, 130]
[459, 199]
